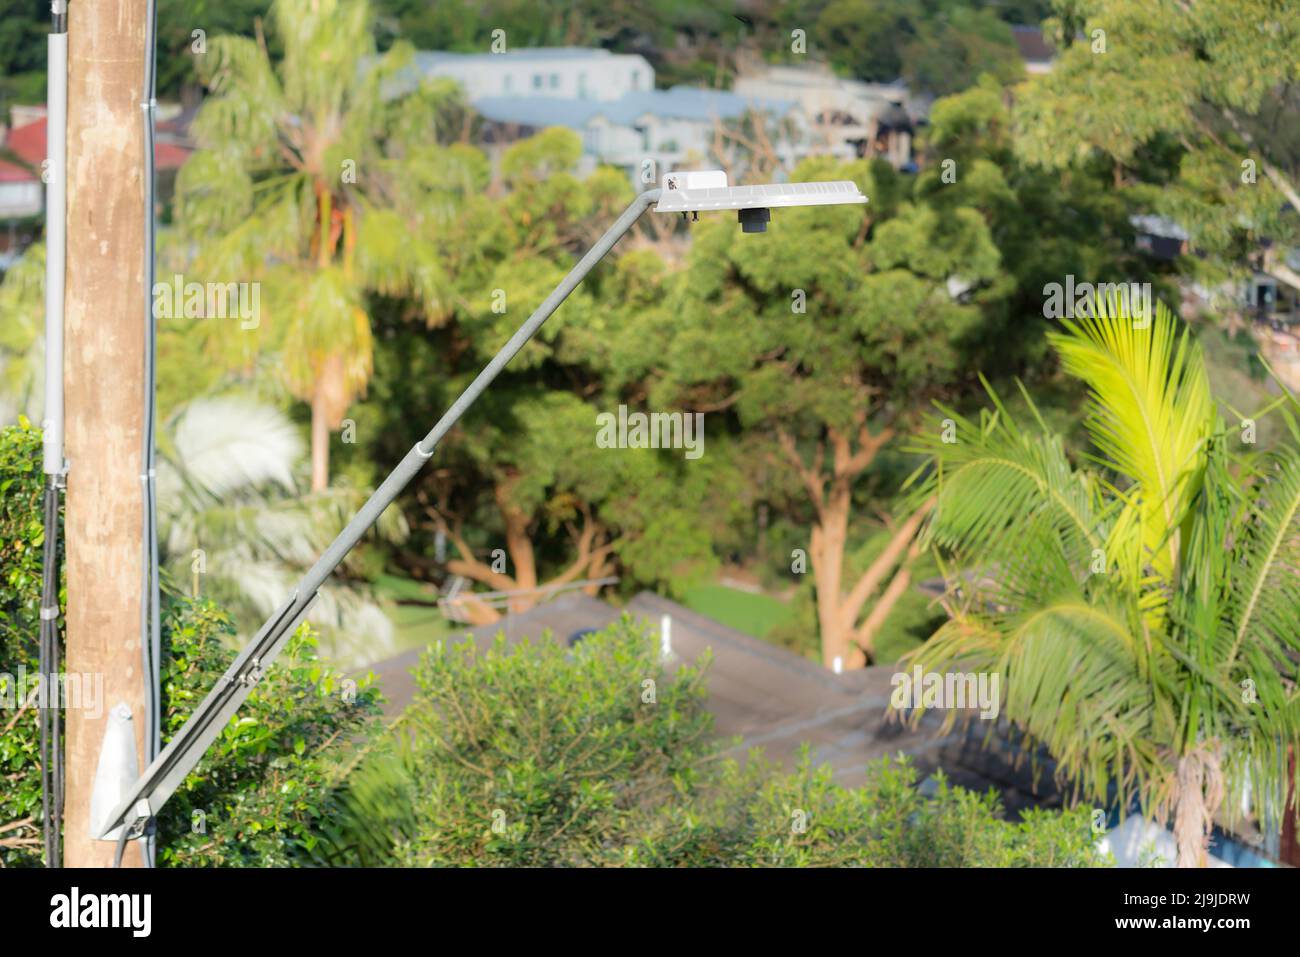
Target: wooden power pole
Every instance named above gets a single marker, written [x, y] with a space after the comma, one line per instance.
[104, 392]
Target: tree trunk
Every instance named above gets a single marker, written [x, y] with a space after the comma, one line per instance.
[593, 551]
[519, 547]
[1199, 792]
[103, 371]
[829, 535]
[320, 438]
[833, 500]
[1289, 849]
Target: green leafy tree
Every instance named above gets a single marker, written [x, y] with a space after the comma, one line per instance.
[1047, 226]
[1142, 604]
[823, 335]
[265, 790]
[867, 37]
[1193, 105]
[22, 51]
[551, 773]
[567, 510]
[951, 51]
[22, 336]
[523, 474]
[184, 27]
[938, 47]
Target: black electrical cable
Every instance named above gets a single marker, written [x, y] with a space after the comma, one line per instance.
[48, 702]
[47, 771]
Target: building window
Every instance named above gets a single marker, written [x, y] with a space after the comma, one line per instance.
[636, 79]
[582, 86]
[555, 81]
[537, 81]
[507, 83]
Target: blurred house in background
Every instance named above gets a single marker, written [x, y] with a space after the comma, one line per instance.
[22, 191]
[21, 194]
[611, 102]
[1035, 51]
[571, 73]
[657, 130]
[1159, 237]
[849, 119]
[1271, 307]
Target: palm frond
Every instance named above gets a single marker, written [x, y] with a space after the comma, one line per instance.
[1073, 680]
[1000, 489]
[227, 444]
[1266, 583]
[1150, 412]
[240, 120]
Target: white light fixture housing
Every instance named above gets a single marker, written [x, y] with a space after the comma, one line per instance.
[695, 191]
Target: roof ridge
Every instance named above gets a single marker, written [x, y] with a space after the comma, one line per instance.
[745, 642]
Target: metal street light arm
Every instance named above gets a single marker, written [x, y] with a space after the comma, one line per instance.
[160, 780]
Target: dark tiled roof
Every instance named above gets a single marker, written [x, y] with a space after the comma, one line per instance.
[1033, 48]
[775, 700]
[562, 617]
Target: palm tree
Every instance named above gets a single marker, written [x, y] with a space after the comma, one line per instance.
[1142, 603]
[300, 182]
[235, 526]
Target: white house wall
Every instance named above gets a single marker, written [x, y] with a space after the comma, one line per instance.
[592, 75]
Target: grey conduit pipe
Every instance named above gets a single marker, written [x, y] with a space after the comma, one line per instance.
[54, 467]
[56, 197]
[187, 747]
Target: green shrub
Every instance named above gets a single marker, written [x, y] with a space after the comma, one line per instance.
[267, 784]
[263, 792]
[22, 538]
[546, 756]
[757, 816]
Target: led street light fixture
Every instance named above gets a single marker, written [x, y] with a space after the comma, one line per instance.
[698, 191]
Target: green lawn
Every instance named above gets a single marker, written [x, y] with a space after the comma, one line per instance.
[912, 621]
[414, 625]
[753, 614]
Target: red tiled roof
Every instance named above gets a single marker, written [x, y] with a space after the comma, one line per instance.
[28, 143]
[13, 173]
[169, 155]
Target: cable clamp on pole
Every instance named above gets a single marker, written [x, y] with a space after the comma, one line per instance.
[143, 815]
[253, 675]
[419, 448]
[50, 614]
